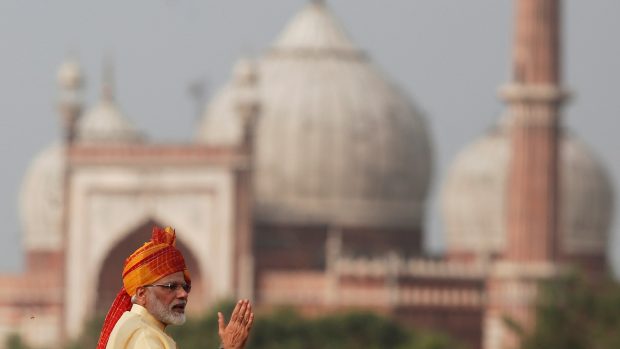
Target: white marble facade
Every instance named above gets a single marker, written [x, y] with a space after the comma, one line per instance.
[108, 203]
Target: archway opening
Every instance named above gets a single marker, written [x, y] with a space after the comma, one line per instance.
[110, 281]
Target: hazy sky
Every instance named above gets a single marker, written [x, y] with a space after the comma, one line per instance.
[449, 56]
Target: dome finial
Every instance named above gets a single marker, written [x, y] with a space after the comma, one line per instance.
[315, 29]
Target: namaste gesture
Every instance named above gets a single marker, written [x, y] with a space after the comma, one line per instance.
[235, 334]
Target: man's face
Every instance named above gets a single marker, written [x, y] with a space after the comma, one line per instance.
[167, 305]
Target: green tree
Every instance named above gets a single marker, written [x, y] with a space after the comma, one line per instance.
[352, 330]
[14, 341]
[575, 312]
[201, 332]
[90, 335]
[286, 329]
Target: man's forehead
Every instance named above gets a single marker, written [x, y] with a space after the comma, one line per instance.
[174, 277]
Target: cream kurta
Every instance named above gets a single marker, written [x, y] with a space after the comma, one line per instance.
[138, 329]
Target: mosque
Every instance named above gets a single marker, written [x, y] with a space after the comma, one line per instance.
[307, 184]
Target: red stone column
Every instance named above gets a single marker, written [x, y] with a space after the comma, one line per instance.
[533, 178]
[534, 99]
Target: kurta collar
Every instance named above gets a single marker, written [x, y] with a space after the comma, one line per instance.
[148, 318]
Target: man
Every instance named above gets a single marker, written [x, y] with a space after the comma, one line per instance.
[156, 285]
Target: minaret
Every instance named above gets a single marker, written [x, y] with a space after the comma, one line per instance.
[247, 105]
[245, 80]
[70, 83]
[534, 98]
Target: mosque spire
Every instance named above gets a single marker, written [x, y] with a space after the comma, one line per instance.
[537, 42]
[534, 98]
[70, 83]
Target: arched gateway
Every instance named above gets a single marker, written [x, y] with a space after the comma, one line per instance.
[116, 193]
[117, 186]
[109, 282]
[342, 169]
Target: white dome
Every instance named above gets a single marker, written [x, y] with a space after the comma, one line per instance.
[41, 200]
[105, 123]
[336, 143]
[474, 195]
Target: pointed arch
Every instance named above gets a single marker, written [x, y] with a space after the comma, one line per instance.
[109, 280]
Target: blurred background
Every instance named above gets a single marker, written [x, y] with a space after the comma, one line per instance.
[367, 130]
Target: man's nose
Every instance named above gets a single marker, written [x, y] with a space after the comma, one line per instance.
[181, 293]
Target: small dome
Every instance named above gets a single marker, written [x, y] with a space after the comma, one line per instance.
[336, 143]
[41, 200]
[474, 195]
[106, 123]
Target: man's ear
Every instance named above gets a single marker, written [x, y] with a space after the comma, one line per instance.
[141, 296]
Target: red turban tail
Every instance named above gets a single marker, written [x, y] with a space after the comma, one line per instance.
[154, 260]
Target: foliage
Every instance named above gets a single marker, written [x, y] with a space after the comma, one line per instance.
[200, 332]
[576, 313]
[90, 335]
[286, 329]
[14, 341]
[572, 313]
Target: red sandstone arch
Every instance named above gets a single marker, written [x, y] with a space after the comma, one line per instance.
[109, 281]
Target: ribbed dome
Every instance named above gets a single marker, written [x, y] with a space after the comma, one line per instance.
[474, 195]
[41, 200]
[106, 123]
[336, 142]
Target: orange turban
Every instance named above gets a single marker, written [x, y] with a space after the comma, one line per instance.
[151, 262]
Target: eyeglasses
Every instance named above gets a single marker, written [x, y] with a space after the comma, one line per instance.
[173, 286]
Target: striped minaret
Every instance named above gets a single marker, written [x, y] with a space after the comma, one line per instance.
[534, 98]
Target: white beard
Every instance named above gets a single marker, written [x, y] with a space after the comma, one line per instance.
[162, 313]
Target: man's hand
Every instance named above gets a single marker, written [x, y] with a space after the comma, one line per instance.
[235, 334]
